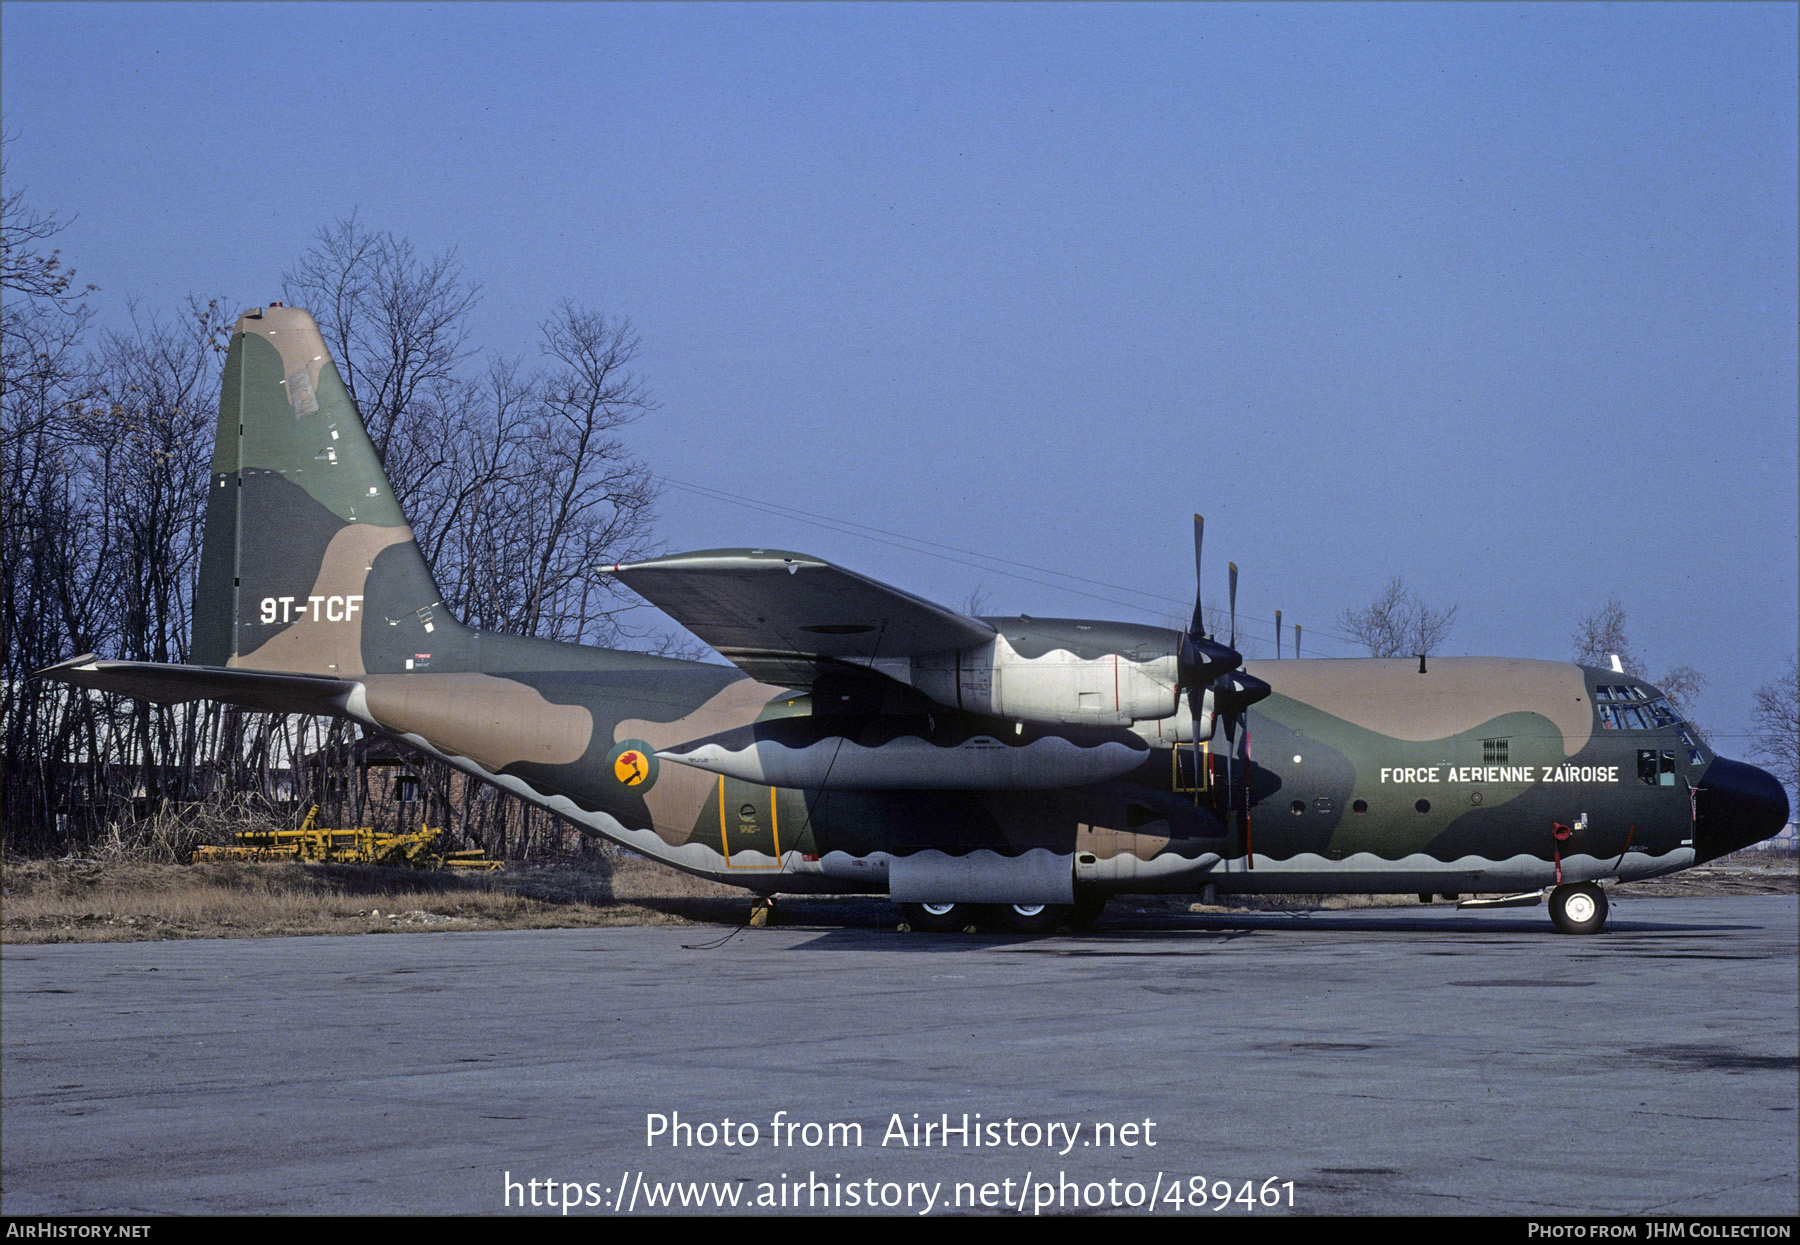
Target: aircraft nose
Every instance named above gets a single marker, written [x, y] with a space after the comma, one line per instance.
[1737, 805]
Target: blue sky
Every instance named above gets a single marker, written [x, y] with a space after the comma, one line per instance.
[1498, 298]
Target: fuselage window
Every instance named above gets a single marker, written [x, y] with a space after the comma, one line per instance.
[1656, 769]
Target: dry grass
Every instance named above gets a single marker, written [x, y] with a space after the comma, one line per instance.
[171, 833]
[100, 900]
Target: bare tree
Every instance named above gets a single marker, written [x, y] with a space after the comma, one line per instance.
[1683, 686]
[1777, 726]
[1600, 636]
[156, 400]
[24, 268]
[47, 533]
[397, 325]
[1399, 624]
[598, 502]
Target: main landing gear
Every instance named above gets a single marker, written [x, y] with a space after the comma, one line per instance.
[938, 918]
[1018, 918]
[1579, 908]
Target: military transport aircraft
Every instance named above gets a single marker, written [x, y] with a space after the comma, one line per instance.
[1017, 770]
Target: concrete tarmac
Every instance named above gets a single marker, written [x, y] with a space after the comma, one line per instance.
[1400, 1061]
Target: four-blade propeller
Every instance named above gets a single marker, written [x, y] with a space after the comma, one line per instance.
[1210, 673]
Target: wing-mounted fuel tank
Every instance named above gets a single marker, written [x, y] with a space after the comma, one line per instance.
[930, 752]
[1057, 670]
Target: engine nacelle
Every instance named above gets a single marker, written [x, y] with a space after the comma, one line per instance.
[1178, 727]
[1056, 671]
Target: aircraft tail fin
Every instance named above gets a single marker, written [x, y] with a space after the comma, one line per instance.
[308, 564]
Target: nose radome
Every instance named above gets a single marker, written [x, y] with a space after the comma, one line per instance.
[1736, 805]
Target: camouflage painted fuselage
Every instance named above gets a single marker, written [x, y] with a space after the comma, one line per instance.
[1029, 761]
[1360, 776]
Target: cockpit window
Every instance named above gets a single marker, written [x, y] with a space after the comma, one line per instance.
[1647, 714]
[1693, 749]
[1640, 715]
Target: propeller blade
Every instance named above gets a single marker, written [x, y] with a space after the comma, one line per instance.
[1296, 639]
[1277, 635]
[1197, 627]
[1233, 640]
[1201, 661]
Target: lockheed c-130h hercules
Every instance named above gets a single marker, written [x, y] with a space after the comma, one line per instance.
[865, 740]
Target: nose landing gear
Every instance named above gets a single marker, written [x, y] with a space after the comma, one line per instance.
[1578, 909]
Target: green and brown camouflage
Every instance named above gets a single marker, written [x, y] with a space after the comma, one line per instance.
[867, 740]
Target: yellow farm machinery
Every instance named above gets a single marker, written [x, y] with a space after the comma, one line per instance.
[425, 848]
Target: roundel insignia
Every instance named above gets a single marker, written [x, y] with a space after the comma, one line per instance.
[633, 763]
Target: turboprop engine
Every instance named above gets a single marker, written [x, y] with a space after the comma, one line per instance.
[1055, 671]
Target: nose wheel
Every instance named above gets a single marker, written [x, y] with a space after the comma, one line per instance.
[1578, 909]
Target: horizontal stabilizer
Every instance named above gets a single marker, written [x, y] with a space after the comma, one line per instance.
[169, 684]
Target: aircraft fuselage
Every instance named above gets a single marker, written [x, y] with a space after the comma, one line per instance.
[1477, 775]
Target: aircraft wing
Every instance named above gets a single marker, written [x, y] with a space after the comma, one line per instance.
[788, 619]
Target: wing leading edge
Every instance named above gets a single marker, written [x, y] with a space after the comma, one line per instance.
[788, 619]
